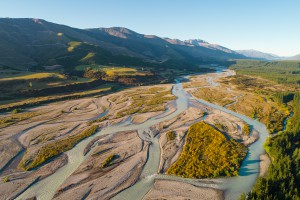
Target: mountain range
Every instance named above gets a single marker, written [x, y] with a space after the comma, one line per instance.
[254, 54]
[36, 43]
[27, 43]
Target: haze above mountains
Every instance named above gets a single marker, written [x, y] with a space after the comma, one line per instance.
[33, 43]
[265, 56]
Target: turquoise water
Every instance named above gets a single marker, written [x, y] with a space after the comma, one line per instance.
[46, 188]
[249, 170]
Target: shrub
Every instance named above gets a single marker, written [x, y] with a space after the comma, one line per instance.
[16, 110]
[246, 129]
[6, 179]
[171, 135]
[108, 160]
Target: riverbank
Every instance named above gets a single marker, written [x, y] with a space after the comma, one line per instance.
[177, 190]
[80, 176]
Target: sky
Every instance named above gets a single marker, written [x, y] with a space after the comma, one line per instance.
[266, 25]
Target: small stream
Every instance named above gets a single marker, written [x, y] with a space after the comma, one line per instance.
[234, 186]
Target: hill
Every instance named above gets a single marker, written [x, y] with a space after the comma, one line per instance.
[296, 57]
[254, 54]
[259, 55]
[38, 44]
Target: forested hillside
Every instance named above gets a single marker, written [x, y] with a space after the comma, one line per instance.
[283, 72]
[283, 178]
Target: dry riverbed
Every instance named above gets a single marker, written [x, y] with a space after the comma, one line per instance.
[114, 162]
[165, 189]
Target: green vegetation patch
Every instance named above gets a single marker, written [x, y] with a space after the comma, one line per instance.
[6, 179]
[85, 67]
[215, 95]
[8, 106]
[283, 72]
[89, 56]
[101, 119]
[73, 45]
[14, 118]
[16, 110]
[208, 153]
[260, 100]
[31, 76]
[171, 135]
[221, 126]
[55, 148]
[246, 129]
[282, 178]
[114, 71]
[143, 101]
[108, 160]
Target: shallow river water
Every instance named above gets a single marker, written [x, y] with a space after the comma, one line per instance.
[46, 188]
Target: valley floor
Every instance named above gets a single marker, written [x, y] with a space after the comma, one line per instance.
[141, 133]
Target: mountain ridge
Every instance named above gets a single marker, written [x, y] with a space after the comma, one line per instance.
[255, 54]
[33, 43]
[252, 53]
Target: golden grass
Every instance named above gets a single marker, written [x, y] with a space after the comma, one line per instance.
[257, 101]
[253, 98]
[208, 153]
[268, 112]
[215, 95]
[123, 71]
[15, 118]
[88, 56]
[195, 83]
[33, 76]
[73, 45]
